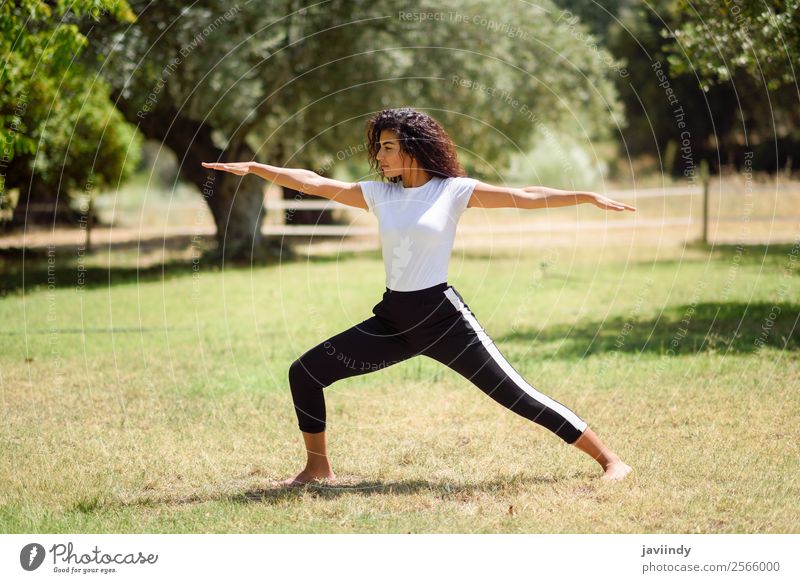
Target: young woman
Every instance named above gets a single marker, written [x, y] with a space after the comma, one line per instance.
[420, 314]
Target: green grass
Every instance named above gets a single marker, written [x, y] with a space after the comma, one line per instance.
[160, 403]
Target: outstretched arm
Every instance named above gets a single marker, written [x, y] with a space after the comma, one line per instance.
[299, 179]
[534, 197]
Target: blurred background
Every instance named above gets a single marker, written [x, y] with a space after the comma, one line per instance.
[108, 108]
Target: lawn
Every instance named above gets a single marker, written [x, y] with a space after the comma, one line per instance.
[157, 400]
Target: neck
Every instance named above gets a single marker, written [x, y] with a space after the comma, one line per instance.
[415, 177]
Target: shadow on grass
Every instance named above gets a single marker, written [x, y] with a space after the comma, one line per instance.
[34, 276]
[445, 491]
[27, 271]
[774, 254]
[733, 327]
[275, 493]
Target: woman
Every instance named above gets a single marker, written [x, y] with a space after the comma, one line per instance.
[420, 314]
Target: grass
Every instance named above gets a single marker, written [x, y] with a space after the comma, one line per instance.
[157, 400]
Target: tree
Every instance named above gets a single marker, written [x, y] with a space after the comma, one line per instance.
[290, 84]
[749, 49]
[669, 110]
[60, 132]
[761, 37]
[597, 16]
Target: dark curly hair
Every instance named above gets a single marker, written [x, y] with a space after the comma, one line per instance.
[420, 136]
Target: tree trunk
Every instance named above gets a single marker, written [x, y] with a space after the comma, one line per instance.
[237, 207]
[235, 201]
[38, 204]
[37, 208]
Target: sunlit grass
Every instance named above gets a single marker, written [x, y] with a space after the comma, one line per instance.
[160, 403]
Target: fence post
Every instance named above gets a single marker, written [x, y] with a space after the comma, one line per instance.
[89, 215]
[704, 176]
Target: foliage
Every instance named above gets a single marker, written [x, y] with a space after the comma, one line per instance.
[298, 82]
[667, 109]
[761, 37]
[59, 129]
[597, 16]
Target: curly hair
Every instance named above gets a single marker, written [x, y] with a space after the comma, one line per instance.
[420, 136]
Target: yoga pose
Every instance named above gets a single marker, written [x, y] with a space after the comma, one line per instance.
[418, 208]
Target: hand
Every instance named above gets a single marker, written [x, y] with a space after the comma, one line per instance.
[606, 203]
[238, 168]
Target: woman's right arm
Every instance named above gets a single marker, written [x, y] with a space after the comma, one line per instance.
[299, 179]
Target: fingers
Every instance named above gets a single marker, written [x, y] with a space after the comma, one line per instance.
[220, 165]
[233, 168]
[618, 206]
[622, 205]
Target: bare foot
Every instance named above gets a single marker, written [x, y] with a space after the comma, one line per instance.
[616, 470]
[310, 477]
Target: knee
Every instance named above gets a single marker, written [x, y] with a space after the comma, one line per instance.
[297, 374]
[301, 377]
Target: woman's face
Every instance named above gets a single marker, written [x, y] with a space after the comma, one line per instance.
[392, 161]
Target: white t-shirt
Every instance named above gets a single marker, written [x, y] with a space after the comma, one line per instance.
[417, 227]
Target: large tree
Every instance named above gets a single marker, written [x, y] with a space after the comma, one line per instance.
[671, 103]
[60, 133]
[748, 49]
[293, 85]
[760, 37]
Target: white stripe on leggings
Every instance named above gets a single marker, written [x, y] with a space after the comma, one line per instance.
[487, 342]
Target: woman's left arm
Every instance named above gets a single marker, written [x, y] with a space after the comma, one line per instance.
[533, 197]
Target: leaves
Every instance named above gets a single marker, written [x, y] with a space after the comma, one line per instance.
[55, 110]
[761, 38]
[299, 87]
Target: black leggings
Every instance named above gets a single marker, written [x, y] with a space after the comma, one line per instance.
[435, 322]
